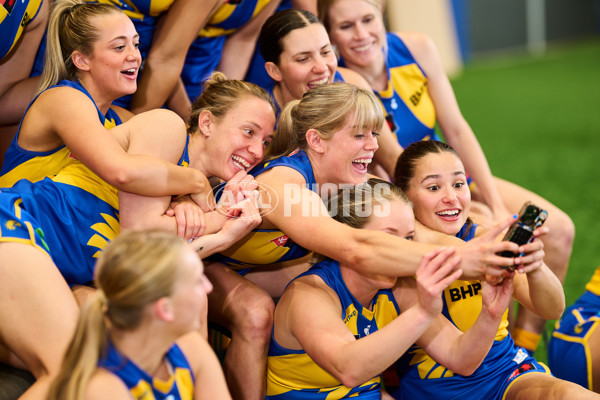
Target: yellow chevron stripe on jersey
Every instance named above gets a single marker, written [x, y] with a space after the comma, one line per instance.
[411, 86]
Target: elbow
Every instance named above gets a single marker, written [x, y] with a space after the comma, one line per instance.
[465, 369]
[120, 178]
[350, 379]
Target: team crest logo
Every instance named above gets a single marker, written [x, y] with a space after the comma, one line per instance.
[11, 225]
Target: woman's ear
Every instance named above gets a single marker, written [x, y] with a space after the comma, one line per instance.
[314, 141]
[205, 123]
[80, 61]
[163, 308]
[273, 71]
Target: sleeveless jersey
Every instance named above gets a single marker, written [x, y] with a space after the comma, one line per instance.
[292, 374]
[15, 15]
[204, 55]
[36, 165]
[71, 216]
[142, 386]
[569, 353]
[406, 100]
[425, 378]
[269, 246]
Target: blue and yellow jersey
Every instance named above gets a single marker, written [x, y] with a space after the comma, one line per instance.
[204, 55]
[75, 214]
[269, 246]
[410, 112]
[15, 15]
[462, 304]
[424, 378]
[231, 16]
[292, 374]
[36, 165]
[71, 216]
[569, 353]
[142, 386]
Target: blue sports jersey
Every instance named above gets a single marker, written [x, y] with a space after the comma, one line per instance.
[15, 15]
[422, 377]
[142, 386]
[269, 246]
[569, 354]
[36, 165]
[292, 374]
[71, 216]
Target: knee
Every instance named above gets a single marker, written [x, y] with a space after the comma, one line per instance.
[255, 318]
[562, 232]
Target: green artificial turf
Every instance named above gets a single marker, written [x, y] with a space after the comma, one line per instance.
[538, 121]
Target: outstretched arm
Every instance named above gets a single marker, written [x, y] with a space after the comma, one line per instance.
[302, 216]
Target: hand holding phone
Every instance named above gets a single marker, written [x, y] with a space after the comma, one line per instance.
[520, 232]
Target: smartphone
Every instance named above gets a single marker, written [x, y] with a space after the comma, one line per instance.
[520, 232]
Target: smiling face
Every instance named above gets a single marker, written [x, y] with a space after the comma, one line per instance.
[307, 61]
[440, 193]
[347, 154]
[357, 31]
[115, 60]
[238, 140]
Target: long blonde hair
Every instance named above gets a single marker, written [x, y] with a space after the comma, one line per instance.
[133, 271]
[70, 28]
[327, 109]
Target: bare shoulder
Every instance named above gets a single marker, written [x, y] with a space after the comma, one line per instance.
[196, 349]
[417, 42]
[106, 385]
[310, 287]
[280, 175]
[354, 78]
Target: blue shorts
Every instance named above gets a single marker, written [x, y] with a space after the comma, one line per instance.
[17, 225]
[504, 364]
[569, 354]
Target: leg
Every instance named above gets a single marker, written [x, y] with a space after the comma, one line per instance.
[534, 386]
[39, 313]
[558, 244]
[247, 311]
